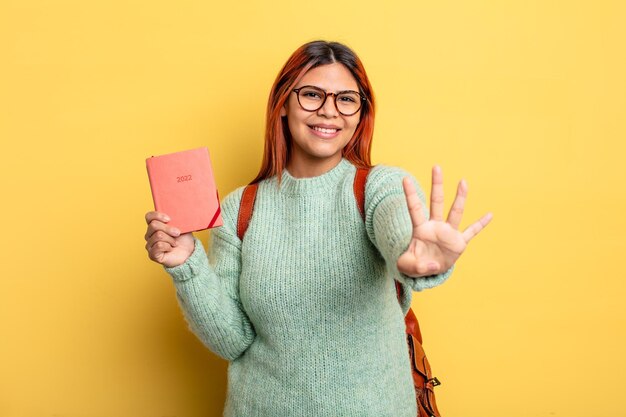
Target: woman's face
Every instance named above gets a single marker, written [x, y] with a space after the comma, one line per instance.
[318, 137]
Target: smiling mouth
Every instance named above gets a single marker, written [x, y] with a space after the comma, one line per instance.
[324, 129]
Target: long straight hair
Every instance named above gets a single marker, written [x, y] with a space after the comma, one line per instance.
[277, 136]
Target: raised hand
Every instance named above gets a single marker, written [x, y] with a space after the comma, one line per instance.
[436, 244]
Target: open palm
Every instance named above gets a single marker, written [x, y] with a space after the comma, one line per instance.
[436, 244]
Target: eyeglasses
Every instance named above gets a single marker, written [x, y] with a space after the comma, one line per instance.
[312, 98]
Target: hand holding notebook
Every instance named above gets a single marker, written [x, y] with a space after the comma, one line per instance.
[185, 199]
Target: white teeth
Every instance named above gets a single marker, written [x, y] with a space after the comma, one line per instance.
[324, 130]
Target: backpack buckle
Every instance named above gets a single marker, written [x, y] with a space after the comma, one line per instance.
[434, 381]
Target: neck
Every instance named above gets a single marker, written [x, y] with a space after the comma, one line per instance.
[307, 168]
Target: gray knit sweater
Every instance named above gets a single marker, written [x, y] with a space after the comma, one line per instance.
[305, 308]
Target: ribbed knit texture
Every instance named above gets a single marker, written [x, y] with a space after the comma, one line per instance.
[305, 308]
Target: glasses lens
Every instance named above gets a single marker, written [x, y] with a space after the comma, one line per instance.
[311, 98]
[348, 103]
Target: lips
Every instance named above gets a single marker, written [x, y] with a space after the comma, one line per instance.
[324, 129]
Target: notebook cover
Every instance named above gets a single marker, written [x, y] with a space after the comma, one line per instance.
[183, 187]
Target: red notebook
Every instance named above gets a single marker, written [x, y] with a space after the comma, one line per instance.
[183, 187]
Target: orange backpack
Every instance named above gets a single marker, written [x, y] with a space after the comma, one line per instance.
[423, 380]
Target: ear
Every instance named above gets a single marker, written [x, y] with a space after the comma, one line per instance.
[283, 110]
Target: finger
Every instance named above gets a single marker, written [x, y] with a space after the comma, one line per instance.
[475, 228]
[428, 268]
[413, 202]
[160, 236]
[456, 211]
[411, 267]
[157, 215]
[436, 195]
[156, 225]
[155, 252]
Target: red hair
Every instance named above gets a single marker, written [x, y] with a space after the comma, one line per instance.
[277, 136]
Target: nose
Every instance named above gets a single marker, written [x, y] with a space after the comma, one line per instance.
[329, 108]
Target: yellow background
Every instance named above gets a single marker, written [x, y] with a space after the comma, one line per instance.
[526, 100]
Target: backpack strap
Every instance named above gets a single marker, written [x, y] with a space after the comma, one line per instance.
[359, 189]
[245, 209]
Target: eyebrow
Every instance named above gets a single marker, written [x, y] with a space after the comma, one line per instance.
[334, 92]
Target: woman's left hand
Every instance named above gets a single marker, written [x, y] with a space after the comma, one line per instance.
[436, 245]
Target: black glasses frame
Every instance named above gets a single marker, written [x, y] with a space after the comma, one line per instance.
[326, 94]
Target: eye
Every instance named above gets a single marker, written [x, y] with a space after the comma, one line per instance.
[348, 98]
[311, 94]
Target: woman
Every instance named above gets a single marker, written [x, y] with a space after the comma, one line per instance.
[304, 307]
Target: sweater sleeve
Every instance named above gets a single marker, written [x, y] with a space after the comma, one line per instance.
[207, 288]
[388, 222]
